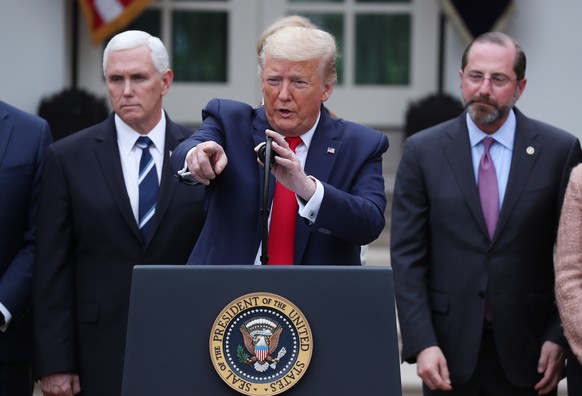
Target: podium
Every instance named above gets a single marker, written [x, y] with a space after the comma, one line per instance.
[176, 311]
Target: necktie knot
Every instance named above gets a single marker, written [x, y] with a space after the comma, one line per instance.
[487, 142]
[143, 142]
[293, 142]
[488, 189]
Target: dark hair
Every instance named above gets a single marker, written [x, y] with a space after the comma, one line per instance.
[501, 39]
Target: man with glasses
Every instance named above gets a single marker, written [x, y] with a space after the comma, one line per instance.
[475, 211]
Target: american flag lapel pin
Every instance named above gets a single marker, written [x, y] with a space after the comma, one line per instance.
[330, 150]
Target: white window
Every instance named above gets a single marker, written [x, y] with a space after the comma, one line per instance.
[388, 53]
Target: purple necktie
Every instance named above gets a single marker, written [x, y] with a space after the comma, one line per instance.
[489, 195]
[488, 190]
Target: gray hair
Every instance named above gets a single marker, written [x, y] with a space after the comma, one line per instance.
[299, 44]
[136, 38]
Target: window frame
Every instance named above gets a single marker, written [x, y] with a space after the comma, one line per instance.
[381, 106]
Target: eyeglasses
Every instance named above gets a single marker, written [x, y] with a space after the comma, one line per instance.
[497, 80]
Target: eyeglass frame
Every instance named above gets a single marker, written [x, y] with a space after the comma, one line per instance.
[478, 78]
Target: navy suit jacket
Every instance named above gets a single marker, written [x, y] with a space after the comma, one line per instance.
[88, 244]
[443, 258]
[344, 156]
[23, 141]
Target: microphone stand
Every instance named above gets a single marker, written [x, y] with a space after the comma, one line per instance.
[266, 207]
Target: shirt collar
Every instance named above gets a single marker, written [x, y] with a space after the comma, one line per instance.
[307, 136]
[127, 136]
[504, 135]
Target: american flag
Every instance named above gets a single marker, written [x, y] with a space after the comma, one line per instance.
[107, 17]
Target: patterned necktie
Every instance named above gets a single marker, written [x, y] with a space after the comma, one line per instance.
[489, 195]
[283, 217]
[148, 186]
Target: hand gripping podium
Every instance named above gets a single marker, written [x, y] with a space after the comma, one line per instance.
[261, 330]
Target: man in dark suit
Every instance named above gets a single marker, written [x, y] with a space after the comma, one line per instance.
[475, 298]
[24, 139]
[338, 207]
[91, 231]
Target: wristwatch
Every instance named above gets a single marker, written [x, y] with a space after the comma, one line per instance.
[2, 319]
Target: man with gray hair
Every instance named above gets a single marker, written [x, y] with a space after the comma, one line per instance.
[327, 171]
[108, 201]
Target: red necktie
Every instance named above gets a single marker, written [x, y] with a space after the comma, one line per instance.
[283, 217]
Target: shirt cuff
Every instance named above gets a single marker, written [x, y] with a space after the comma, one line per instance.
[184, 175]
[7, 317]
[310, 209]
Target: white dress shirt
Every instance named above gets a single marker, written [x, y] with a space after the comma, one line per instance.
[130, 156]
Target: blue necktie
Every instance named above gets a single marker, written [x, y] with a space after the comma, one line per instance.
[148, 187]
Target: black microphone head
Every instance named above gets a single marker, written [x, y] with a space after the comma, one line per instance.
[262, 153]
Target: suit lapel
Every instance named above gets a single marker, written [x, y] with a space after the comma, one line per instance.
[523, 160]
[107, 153]
[5, 133]
[168, 184]
[458, 153]
[324, 149]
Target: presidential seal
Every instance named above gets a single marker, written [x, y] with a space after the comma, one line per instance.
[261, 344]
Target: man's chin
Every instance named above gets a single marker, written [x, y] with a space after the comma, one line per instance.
[483, 117]
[284, 126]
[129, 114]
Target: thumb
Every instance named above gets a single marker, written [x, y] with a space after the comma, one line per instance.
[444, 371]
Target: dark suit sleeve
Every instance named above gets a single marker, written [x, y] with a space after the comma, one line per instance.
[211, 129]
[53, 293]
[16, 282]
[410, 255]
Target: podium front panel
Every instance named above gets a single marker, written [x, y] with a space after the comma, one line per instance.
[350, 311]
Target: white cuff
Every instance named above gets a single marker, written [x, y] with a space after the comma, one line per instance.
[310, 209]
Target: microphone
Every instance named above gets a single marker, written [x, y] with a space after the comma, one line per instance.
[267, 157]
[266, 151]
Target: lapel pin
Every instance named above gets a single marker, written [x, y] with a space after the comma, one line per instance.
[330, 150]
[530, 150]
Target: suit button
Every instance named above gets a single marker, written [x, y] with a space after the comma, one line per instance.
[482, 294]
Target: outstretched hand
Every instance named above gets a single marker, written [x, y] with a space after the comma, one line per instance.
[206, 161]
